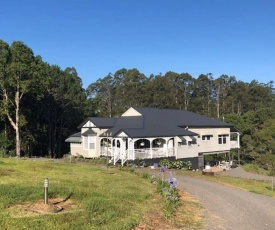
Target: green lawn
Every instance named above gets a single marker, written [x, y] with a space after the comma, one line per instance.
[98, 200]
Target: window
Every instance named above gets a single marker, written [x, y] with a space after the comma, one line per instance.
[89, 142]
[222, 139]
[206, 137]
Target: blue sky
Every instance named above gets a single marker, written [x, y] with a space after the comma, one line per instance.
[97, 37]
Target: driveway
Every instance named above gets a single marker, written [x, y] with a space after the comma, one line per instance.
[241, 173]
[230, 208]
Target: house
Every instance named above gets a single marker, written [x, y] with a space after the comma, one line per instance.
[151, 133]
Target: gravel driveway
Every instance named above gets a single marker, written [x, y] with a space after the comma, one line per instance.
[241, 173]
[230, 208]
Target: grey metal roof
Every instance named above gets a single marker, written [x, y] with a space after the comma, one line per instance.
[100, 122]
[89, 132]
[74, 138]
[133, 122]
[156, 122]
[181, 118]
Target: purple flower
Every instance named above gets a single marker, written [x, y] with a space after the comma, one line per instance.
[163, 169]
[173, 182]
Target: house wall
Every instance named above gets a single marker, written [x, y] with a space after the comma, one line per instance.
[89, 153]
[187, 151]
[77, 150]
[212, 145]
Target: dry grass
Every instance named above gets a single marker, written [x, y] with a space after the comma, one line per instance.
[39, 208]
[188, 216]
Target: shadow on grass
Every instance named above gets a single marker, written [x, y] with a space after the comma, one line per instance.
[63, 201]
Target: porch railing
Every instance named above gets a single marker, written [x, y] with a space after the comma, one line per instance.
[234, 145]
[154, 153]
[124, 155]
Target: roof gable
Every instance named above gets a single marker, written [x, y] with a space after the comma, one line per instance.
[131, 112]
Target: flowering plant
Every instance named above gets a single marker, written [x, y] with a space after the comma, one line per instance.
[169, 190]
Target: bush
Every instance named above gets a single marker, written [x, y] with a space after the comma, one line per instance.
[175, 164]
[166, 163]
[188, 165]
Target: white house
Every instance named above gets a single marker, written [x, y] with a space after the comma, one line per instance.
[150, 133]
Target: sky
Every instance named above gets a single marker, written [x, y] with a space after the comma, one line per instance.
[98, 37]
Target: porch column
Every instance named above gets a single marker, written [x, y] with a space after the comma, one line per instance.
[166, 140]
[151, 151]
[134, 152]
[112, 148]
[176, 147]
[238, 138]
[115, 150]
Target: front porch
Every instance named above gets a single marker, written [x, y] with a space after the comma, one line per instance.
[124, 149]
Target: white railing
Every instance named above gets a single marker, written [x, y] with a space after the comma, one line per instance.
[155, 153]
[103, 151]
[234, 145]
[124, 155]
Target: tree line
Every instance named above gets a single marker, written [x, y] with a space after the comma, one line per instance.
[205, 95]
[41, 104]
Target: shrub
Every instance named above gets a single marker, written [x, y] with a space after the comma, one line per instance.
[177, 164]
[188, 165]
[166, 163]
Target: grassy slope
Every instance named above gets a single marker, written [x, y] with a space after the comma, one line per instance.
[103, 201]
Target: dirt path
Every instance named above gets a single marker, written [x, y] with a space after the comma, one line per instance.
[231, 208]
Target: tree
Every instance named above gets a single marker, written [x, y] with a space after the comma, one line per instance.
[64, 107]
[221, 87]
[16, 80]
[203, 95]
[104, 91]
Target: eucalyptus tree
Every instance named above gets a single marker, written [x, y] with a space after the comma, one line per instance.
[175, 94]
[17, 79]
[258, 95]
[104, 91]
[160, 92]
[130, 88]
[221, 87]
[202, 97]
[64, 107]
[187, 86]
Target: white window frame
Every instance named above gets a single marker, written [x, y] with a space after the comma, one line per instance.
[222, 139]
[206, 137]
[89, 142]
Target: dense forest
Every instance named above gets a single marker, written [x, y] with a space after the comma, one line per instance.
[41, 104]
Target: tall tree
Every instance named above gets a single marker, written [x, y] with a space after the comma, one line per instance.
[17, 63]
[104, 90]
[203, 94]
[221, 87]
